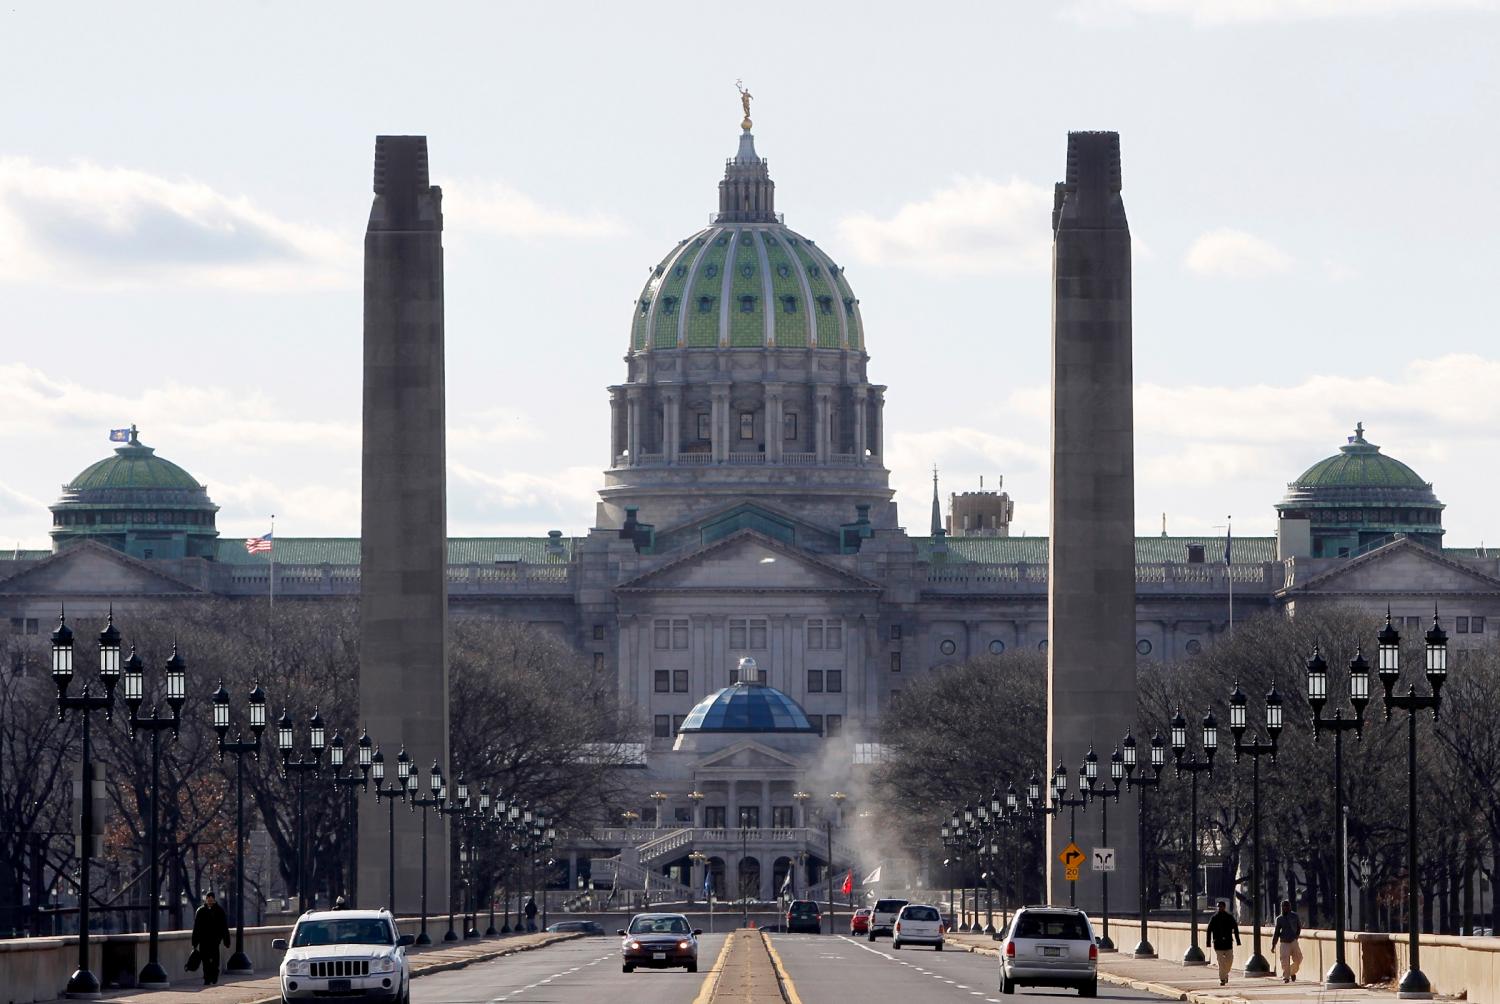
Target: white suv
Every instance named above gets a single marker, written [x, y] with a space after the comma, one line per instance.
[1050, 946]
[350, 954]
[918, 924]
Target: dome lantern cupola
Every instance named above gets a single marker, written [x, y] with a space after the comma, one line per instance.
[1360, 498]
[139, 503]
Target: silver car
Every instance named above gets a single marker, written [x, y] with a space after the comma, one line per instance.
[351, 954]
[1050, 946]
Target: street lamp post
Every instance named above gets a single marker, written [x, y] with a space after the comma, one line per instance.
[239, 962]
[1193, 766]
[390, 794]
[701, 860]
[989, 827]
[456, 806]
[1414, 984]
[307, 762]
[1143, 949]
[837, 798]
[1257, 966]
[152, 975]
[1091, 780]
[1339, 976]
[1061, 800]
[438, 794]
[360, 780]
[83, 983]
[659, 797]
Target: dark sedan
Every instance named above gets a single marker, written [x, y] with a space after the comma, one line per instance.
[577, 927]
[659, 941]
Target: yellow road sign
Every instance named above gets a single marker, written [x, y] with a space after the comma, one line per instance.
[1072, 856]
[1071, 873]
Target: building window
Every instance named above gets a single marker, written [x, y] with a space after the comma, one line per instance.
[667, 634]
[677, 721]
[816, 721]
[662, 727]
[1143, 647]
[1461, 625]
[713, 817]
[679, 681]
[680, 635]
[1476, 625]
[598, 662]
[835, 725]
[947, 647]
[747, 304]
[682, 814]
[705, 426]
[747, 633]
[895, 662]
[835, 680]
[734, 676]
[997, 646]
[712, 268]
[789, 304]
[669, 304]
[598, 632]
[749, 817]
[705, 304]
[815, 633]
[747, 425]
[789, 425]
[663, 681]
[783, 817]
[895, 632]
[825, 633]
[825, 304]
[814, 681]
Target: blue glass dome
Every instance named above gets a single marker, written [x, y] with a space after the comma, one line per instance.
[747, 707]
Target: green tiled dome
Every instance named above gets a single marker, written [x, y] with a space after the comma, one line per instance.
[1360, 464]
[133, 466]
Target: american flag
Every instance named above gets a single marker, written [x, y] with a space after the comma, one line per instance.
[255, 545]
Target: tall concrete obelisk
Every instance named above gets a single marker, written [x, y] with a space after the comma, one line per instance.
[403, 596]
[1091, 580]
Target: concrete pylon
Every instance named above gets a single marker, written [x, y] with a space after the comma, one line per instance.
[1091, 580]
[403, 596]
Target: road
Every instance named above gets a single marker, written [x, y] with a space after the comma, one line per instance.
[823, 969]
[836, 970]
[583, 971]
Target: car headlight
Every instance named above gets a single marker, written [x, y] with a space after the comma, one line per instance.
[383, 964]
[684, 944]
[633, 944]
[297, 967]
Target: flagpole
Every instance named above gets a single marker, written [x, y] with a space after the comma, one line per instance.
[271, 607]
[1228, 568]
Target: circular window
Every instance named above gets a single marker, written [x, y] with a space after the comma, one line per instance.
[746, 271]
[1042, 645]
[1143, 647]
[783, 271]
[947, 647]
[1194, 646]
[710, 270]
[997, 646]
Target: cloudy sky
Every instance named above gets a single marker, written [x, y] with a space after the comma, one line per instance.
[1311, 186]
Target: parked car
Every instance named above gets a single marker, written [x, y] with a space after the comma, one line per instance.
[579, 926]
[883, 916]
[345, 953]
[1050, 946]
[860, 922]
[659, 941]
[804, 915]
[918, 924]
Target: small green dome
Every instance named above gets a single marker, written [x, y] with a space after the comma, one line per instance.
[134, 465]
[1360, 464]
[746, 281]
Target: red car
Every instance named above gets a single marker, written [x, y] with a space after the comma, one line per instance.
[860, 922]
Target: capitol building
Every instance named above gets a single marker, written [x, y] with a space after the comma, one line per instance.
[747, 578]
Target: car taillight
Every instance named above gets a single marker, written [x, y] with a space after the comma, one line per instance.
[1010, 949]
[898, 927]
[1093, 953]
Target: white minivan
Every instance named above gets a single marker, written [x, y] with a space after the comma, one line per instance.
[918, 924]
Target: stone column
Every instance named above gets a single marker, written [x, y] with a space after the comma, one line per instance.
[877, 432]
[671, 419]
[861, 429]
[765, 803]
[823, 435]
[616, 421]
[403, 600]
[633, 399]
[773, 423]
[719, 444]
[1091, 583]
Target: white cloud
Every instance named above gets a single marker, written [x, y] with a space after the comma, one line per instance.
[1116, 13]
[496, 208]
[86, 225]
[1235, 254]
[518, 501]
[975, 225]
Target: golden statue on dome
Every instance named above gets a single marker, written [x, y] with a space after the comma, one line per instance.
[745, 97]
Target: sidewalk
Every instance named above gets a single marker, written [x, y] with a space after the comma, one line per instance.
[263, 989]
[1200, 984]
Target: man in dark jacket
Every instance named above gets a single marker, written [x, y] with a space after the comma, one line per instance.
[1223, 935]
[530, 913]
[1287, 933]
[210, 930]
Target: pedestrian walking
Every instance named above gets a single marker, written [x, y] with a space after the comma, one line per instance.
[531, 913]
[1288, 931]
[210, 931]
[1223, 935]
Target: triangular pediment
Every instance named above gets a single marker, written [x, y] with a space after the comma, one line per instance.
[92, 569]
[771, 520]
[748, 561]
[1402, 566]
[748, 754]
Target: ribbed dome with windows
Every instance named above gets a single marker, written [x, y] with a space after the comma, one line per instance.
[138, 503]
[747, 706]
[746, 280]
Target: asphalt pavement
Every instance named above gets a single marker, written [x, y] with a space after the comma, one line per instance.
[828, 969]
[582, 971]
